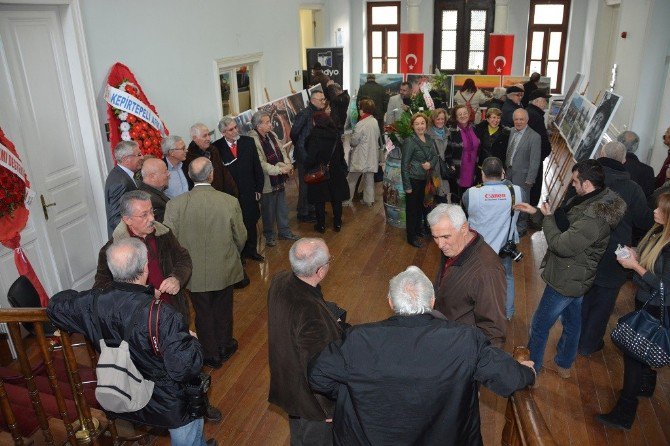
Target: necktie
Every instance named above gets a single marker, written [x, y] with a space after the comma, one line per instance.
[512, 148]
[233, 148]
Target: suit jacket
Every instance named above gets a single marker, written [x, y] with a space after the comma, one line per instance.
[394, 110]
[158, 200]
[118, 183]
[209, 224]
[300, 325]
[246, 171]
[527, 157]
[223, 181]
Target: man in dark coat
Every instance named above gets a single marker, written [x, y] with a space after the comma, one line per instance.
[529, 87]
[239, 155]
[300, 325]
[120, 180]
[201, 145]
[512, 102]
[372, 90]
[319, 77]
[339, 104]
[599, 300]
[413, 378]
[302, 126]
[180, 358]
[537, 105]
[155, 177]
[641, 173]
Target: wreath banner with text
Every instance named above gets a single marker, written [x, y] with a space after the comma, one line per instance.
[130, 115]
[14, 194]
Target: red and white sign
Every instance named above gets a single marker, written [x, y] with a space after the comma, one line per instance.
[501, 50]
[411, 53]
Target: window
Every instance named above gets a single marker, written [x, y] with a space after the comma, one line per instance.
[383, 34]
[461, 31]
[547, 32]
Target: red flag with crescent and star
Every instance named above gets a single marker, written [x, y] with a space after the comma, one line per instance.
[501, 50]
[411, 53]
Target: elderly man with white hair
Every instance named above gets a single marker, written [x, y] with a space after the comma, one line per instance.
[599, 300]
[174, 154]
[470, 286]
[641, 173]
[121, 180]
[300, 324]
[412, 379]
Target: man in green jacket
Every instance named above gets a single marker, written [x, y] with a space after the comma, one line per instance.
[372, 90]
[577, 234]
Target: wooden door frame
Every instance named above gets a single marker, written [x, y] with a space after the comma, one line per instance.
[384, 29]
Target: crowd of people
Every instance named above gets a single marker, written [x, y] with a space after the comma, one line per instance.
[183, 227]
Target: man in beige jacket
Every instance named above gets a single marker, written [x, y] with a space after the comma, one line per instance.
[209, 224]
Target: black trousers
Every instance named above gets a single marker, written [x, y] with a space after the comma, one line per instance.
[597, 307]
[634, 370]
[309, 432]
[414, 209]
[214, 320]
[320, 210]
[250, 246]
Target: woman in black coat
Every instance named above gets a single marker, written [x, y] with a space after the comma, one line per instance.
[492, 136]
[324, 147]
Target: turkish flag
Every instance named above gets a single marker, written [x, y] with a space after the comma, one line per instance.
[411, 53]
[501, 50]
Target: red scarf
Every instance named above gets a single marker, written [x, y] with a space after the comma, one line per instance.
[156, 276]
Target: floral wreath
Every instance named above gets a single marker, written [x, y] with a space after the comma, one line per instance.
[136, 129]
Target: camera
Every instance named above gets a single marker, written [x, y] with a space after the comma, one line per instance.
[196, 394]
[509, 249]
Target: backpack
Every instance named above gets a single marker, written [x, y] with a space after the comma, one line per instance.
[121, 387]
[468, 105]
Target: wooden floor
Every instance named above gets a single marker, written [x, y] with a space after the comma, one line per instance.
[367, 253]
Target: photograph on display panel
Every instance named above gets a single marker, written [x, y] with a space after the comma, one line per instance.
[600, 121]
[439, 93]
[243, 121]
[390, 82]
[578, 116]
[508, 81]
[279, 118]
[485, 83]
[296, 103]
[572, 90]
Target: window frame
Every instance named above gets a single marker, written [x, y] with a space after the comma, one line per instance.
[547, 30]
[384, 30]
[462, 32]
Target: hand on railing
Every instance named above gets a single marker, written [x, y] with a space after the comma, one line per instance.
[522, 355]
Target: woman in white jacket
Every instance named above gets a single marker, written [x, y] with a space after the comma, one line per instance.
[364, 154]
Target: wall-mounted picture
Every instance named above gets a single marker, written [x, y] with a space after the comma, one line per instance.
[390, 82]
[243, 121]
[279, 118]
[598, 124]
[572, 90]
[484, 83]
[508, 81]
[295, 103]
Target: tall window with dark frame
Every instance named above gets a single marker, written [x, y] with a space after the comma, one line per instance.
[547, 35]
[383, 19]
[461, 34]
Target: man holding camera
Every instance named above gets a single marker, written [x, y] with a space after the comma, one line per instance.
[490, 213]
[470, 283]
[178, 401]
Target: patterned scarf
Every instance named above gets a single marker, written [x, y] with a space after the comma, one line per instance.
[273, 156]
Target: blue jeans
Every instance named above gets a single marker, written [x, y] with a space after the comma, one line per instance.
[273, 208]
[188, 435]
[508, 264]
[553, 305]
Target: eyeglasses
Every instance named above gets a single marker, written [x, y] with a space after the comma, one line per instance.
[134, 155]
[144, 215]
[184, 149]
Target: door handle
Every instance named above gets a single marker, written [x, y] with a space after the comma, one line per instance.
[45, 206]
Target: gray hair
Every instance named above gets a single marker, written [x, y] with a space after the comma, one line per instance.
[307, 255]
[453, 212]
[126, 202]
[225, 122]
[629, 139]
[169, 143]
[258, 116]
[614, 150]
[499, 92]
[124, 149]
[126, 259]
[520, 110]
[201, 175]
[411, 292]
[198, 128]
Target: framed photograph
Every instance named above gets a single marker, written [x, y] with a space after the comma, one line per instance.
[572, 90]
[576, 121]
[390, 82]
[544, 83]
[486, 83]
[597, 125]
[243, 121]
[281, 124]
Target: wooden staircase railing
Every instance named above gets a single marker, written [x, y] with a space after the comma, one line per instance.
[524, 424]
[80, 427]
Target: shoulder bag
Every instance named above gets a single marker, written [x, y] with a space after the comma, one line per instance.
[322, 172]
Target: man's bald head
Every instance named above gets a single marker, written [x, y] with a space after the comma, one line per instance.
[201, 170]
[307, 256]
[155, 173]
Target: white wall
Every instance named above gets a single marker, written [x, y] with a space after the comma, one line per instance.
[171, 46]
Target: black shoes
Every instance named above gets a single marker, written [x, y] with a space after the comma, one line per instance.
[416, 243]
[212, 363]
[321, 229]
[337, 228]
[255, 256]
[211, 442]
[213, 414]
[227, 352]
[622, 416]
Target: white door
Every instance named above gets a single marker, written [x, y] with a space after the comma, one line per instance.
[38, 113]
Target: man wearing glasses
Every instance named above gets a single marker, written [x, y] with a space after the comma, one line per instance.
[302, 127]
[120, 180]
[300, 324]
[513, 102]
[174, 154]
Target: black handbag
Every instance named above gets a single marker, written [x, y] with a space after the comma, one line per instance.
[447, 172]
[644, 337]
[320, 173]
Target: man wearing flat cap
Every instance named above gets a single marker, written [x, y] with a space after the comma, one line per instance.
[513, 102]
[537, 105]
